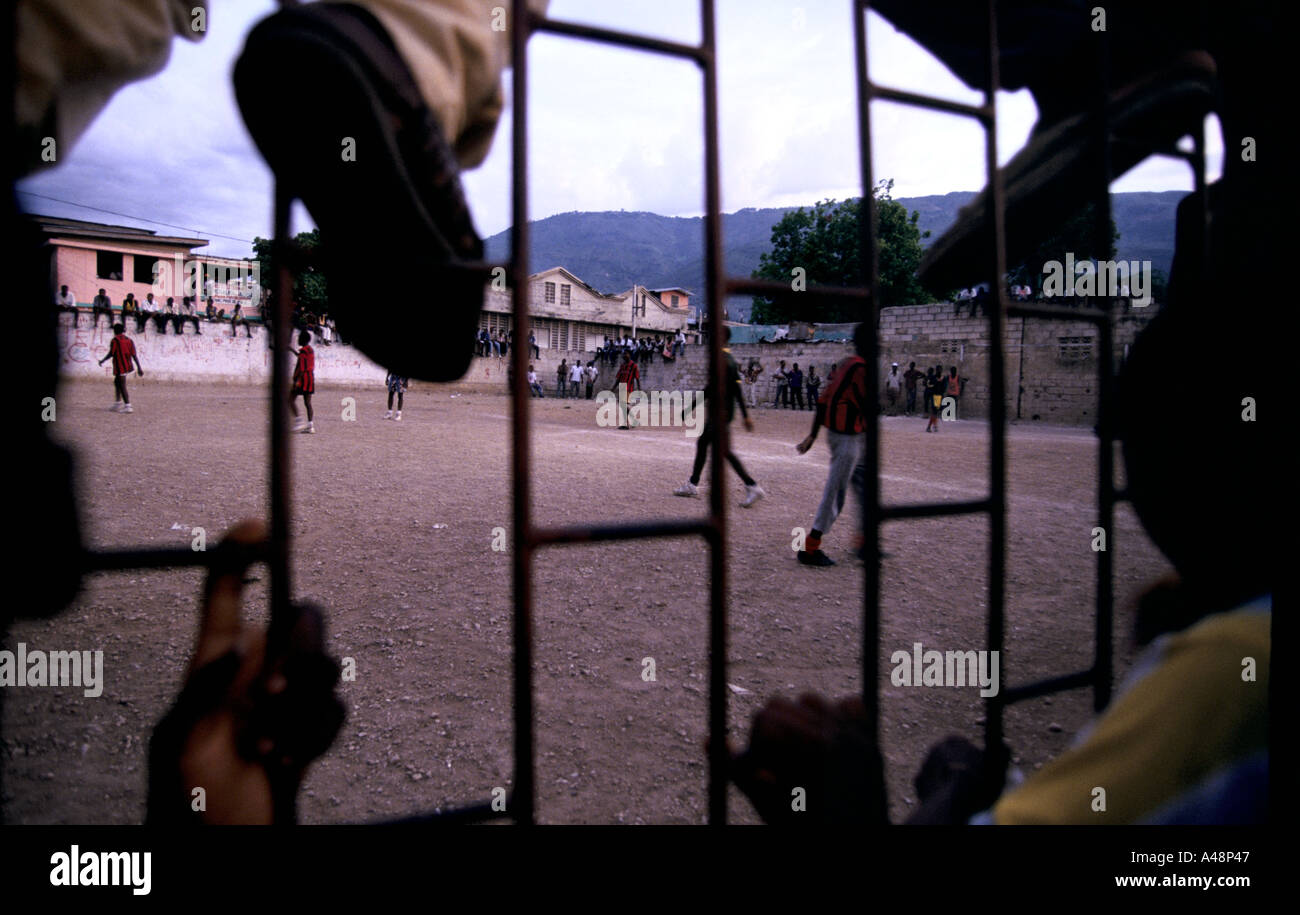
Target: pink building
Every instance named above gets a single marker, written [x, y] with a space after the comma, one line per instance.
[89, 256]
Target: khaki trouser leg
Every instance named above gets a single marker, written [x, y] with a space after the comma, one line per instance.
[457, 57]
[73, 55]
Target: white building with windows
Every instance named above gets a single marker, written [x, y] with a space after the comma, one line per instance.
[569, 315]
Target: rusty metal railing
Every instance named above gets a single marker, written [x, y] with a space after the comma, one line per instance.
[528, 538]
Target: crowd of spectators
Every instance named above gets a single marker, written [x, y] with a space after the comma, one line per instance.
[162, 314]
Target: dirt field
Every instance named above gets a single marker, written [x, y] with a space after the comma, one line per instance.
[393, 529]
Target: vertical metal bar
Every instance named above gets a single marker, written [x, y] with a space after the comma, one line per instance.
[285, 790]
[281, 589]
[997, 386]
[524, 799]
[717, 419]
[871, 508]
[1104, 660]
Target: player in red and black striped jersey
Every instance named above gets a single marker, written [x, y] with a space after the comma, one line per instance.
[304, 380]
[121, 350]
[842, 409]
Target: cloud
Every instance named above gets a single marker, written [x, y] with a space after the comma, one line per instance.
[609, 128]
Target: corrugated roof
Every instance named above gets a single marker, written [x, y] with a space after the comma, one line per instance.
[77, 228]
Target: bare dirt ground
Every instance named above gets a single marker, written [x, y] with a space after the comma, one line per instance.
[393, 529]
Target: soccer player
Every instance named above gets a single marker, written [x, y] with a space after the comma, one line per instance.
[396, 385]
[628, 380]
[935, 385]
[842, 409]
[753, 492]
[122, 351]
[304, 380]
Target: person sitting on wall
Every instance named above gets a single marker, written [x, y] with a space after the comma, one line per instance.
[237, 318]
[155, 309]
[211, 310]
[188, 313]
[131, 306]
[172, 315]
[102, 304]
[66, 301]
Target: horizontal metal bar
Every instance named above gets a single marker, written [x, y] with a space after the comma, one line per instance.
[780, 289]
[155, 558]
[934, 509]
[478, 268]
[1060, 312]
[622, 39]
[477, 813]
[601, 533]
[981, 113]
[1047, 687]
[1155, 149]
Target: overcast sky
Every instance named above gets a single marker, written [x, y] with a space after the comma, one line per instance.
[610, 129]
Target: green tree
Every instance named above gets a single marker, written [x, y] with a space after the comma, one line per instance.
[824, 242]
[310, 288]
[1077, 235]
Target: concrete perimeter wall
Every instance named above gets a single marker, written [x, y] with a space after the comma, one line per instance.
[1051, 366]
[214, 357]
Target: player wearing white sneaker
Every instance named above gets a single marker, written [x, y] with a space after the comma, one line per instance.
[752, 491]
[397, 386]
[304, 379]
[122, 351]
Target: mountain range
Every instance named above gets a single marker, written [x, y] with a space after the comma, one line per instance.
[613, 250]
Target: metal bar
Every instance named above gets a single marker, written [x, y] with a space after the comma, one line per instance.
[993, 732]
[716, 417]
[1048, 687]
[278, 553]
[524, 790]
[1103, 662]
[285, 784]
[152, 558]
[1057, 312]
[476, 268]
[1155, 149]
[607, 532]
[623, 39]
[982, 113]
[933, 509]
[476, 813]
[872, 515]
[778, 290]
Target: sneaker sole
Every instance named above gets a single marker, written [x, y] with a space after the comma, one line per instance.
[1048, 181]
[301, 136]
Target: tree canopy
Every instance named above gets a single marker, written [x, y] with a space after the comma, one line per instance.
[310, 288]
[1076, 235]
[824, 243]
